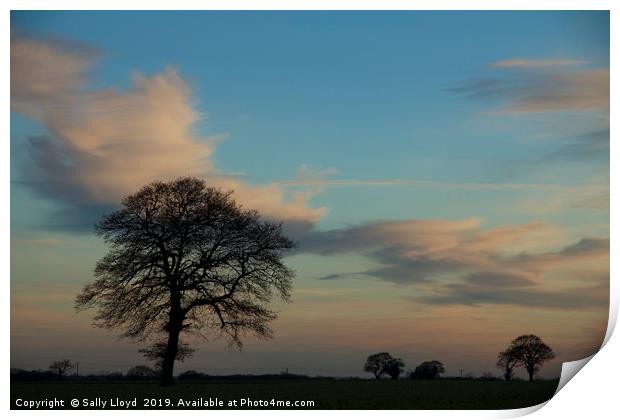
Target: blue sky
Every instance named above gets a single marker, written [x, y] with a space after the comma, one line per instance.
[372, 89]
[372, 116]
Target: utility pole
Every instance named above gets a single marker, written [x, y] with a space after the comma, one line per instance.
[461, 370]
[77, 369]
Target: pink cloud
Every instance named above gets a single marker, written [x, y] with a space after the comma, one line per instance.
[106, 143]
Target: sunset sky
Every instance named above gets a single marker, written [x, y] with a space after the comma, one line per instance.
[446, 174]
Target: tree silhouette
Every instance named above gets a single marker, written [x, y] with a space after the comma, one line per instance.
[185, 258]
[61, 368]
[428, 370]
[508, 360]
[532, 352]
[381, 363]
[395, 368]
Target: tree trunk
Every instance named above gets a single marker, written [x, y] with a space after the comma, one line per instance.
[174, 330]
[175, 324]
[167, 374]
[531, 373]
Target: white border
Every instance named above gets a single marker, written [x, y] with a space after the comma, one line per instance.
[592, 395]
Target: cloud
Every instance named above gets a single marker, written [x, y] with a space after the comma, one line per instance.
[479, 186]
[568, 298]
[35, 88]
[498, 279]
[105, 143]
[572, 101]
[586, 90]
[512, 262]
[594, 197]
[542, 85]
[591, 145]
[538, 63]
[46, 242]
[535, 91]
[308, 172]
[434, 234]
[586, 248]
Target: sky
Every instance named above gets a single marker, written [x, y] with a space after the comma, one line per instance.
[446, 175]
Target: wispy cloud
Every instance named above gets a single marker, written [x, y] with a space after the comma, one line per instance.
[419, 183]
[36, 241]
[586, 146]
[580, 91]
[566, 99]
[584, 90]
[538, 63]
[571, 298]
[306, 172]
[448, 260]
[542, 85]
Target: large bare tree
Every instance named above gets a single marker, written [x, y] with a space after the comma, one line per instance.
[185, 258]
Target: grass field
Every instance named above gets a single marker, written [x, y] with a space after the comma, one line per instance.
[326, 394]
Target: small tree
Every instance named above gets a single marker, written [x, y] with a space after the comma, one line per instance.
[380, 363]
[532, 352]
[508, 360]
[61, 368]
[395, 368]
[428, 370]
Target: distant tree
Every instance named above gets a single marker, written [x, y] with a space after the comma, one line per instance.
[395, 368]
[381, 363]
[141, 372]
[532, 352]
[61, 368]
[428, 370]
[186, 258]
[508, 360]
[157, 352]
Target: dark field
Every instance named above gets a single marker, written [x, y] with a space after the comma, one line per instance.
[326, 394]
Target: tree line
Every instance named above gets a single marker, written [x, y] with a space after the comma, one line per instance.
[527, 351]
